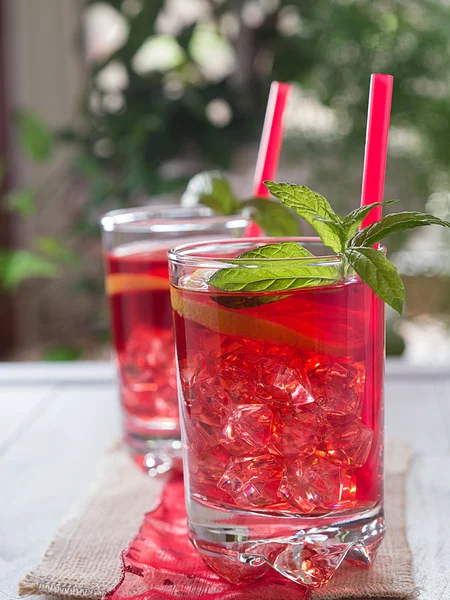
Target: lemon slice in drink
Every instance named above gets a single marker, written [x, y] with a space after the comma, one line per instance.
[118, 283]
[229, 322]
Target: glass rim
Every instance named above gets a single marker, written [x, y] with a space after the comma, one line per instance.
[176, 254]
[141, 219]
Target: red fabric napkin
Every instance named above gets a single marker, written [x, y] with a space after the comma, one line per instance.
[161, 563]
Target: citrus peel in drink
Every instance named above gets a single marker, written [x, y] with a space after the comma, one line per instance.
[118, 283]
[234, 323]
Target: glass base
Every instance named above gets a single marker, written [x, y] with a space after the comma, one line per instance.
[241, 547]
[154, 449]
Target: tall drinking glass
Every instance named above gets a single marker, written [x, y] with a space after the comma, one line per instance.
[136, 242]
[281, 402]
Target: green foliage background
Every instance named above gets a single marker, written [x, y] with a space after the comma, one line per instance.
[328, 48]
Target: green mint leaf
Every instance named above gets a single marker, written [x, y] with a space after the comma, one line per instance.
[309, 205]
[323, 220]
[374, 233]
[274, 218]
[271, 278]
[278, 250]
[352, 222]
[273, 251]
[338, 229]
[268, 276]
[379, 273]
[212, 189]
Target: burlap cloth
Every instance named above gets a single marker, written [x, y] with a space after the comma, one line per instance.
[87, 557]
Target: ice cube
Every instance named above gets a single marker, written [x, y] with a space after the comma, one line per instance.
[299, 433]
[209, 468]
[312, 564]
[248, 428]
[198, 280]
[201, 437]
[239, 383]
[314, 484]
[233, 352]
[146, 355]
[348, 444]
[336, 388]
[282, 384]
[252, 481]
[192, 368]
[207, 402]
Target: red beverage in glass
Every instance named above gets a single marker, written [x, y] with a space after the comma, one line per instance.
[137, 285]
[136, 242]
[283, 425]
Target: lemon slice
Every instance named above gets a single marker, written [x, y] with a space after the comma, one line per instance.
[229, 322]
[133, 282]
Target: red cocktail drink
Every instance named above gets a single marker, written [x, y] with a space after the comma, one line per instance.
[137, 285]
[281, 398]
[136, 242]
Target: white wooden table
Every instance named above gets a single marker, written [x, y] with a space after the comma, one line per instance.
[57, 420]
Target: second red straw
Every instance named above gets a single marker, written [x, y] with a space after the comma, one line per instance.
[378, 119]
[271, 139]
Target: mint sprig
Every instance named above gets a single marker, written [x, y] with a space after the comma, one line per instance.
[353, 221]
[261, 276]
[379, 273]
[212, 189]
[313, 208]
[352, 245]
[392, 223]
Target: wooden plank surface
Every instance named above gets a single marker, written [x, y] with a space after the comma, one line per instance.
[47, 469]
[57, 422]
[18, 405]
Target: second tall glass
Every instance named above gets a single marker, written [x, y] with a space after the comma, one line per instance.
[136, 242]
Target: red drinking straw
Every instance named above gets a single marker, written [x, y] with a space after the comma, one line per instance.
[374, 173]
[378, 118]
[272, 135]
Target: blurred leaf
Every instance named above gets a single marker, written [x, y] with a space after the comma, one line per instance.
[142, 27]
[34, 136]
[211, 188]
[274, 218]
[21, 202]
[87, 166]
[59, 253]
[58, 354]
[17, 266]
